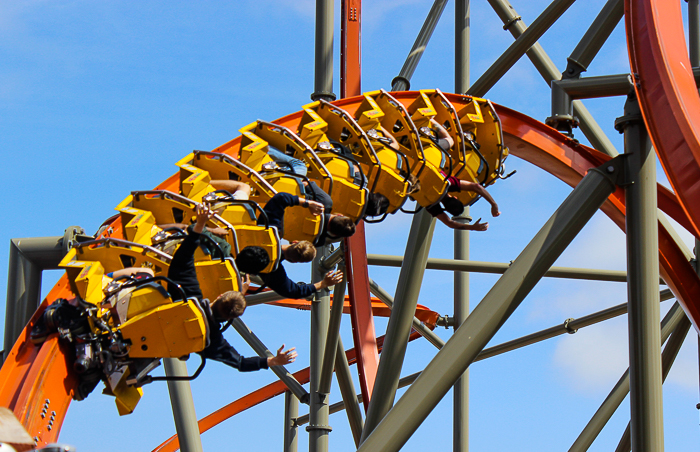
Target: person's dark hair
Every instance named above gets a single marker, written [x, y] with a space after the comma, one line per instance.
[341, 226]
[302, 251]
[453, 206]
[252, 260]
[228, 305]
[377, 204]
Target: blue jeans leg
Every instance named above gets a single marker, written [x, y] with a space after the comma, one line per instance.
[295, 165]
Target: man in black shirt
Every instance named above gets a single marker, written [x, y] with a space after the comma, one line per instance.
[227, 306]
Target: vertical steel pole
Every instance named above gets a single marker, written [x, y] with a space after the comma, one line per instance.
[401, 319]
[28, 258]
[323, 74]
[183, 406]
[460, 396]
[291, 412]
[601, 417]
[642, 287]
[318, 427]
[496, 307]
[667, 358]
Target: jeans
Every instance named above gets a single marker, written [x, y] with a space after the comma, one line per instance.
[295, 165]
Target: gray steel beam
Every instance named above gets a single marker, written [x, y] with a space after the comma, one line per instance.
[595, 37]
[671, 321]
[291, 413]
[419, 326]
[646, 398]
[493, 267]
[548, 70]
[570, 326]
[496, 307]
[181, 400]
[460, 395]
[347, 391]
[323, 45]
[402, 81]
[256, 344]
[318, 428]
[399, 327]
[667, 358]
[563, 91]
[324, 385]
[29, 257]
[262, 298]
[519, 47]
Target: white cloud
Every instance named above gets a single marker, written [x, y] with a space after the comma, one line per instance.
[594, 358]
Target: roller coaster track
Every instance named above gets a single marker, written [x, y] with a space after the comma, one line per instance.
[37, 384]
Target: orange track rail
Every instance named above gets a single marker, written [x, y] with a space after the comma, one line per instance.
[668, 95]
[31, 375]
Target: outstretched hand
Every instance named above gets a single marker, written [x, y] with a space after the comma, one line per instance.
[283, 357]
[332, 278]
[245, 285]
[494, 210]
[476, 226]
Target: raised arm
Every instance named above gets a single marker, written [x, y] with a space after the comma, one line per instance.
[231, 186]
[393, 143]
[478, 189]
[449, 222]
[442, 132]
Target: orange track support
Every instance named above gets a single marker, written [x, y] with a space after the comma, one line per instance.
[667, 94]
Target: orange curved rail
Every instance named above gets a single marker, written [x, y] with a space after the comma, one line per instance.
[668, 94]
[31, 375]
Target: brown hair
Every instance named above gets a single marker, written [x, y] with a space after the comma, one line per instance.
[228, 305]
[341, 226]
[301, 252]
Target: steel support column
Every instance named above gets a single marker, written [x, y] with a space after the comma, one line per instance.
[399, 327]
[183, 406]
[29, 257]
[601, 417]
[496, 307]
[667, 358]
[318, 428]
[402, 82]
[460, 395]
[323, 45]
[549, 71]
[642, 289]
[291, 412]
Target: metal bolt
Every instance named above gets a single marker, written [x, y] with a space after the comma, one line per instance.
[49, 428]
[50, 422]
[143, 339]
[47, 401]
[53, 414]
[43, 415]
[36, 439]
[611, 169]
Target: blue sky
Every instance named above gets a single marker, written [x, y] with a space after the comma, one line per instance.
[101, 98]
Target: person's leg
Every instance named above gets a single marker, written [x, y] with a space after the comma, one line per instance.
[295, 165]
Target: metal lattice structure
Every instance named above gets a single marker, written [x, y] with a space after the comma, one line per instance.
[661, 110]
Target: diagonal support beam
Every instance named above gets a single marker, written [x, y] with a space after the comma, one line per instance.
[256, 344]
[492, 312]
[400, 321]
